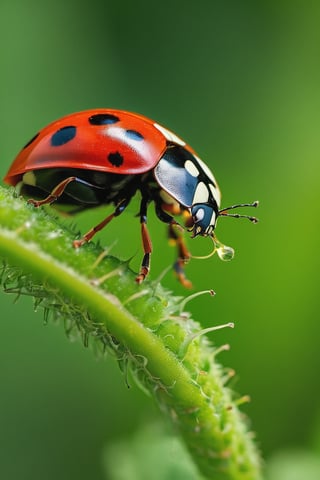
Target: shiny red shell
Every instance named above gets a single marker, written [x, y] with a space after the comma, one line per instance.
[136, 139]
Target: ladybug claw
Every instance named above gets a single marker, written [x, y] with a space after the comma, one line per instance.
[35, 203]
[179, 271]
[79, 243]
[142, 275]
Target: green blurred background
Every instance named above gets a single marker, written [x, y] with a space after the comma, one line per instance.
[240, 81]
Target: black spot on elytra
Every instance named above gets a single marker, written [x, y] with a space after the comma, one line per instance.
[116, 159]
[103, 119]
[134, 135]
[32, 140]
[63, 135]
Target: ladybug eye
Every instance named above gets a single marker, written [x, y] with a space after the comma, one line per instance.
[199, 215]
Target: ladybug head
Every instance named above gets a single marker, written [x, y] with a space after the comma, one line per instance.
[204, 219]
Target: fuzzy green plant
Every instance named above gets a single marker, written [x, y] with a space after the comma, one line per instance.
[144, 326]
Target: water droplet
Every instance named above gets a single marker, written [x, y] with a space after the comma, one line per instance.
[225, 253]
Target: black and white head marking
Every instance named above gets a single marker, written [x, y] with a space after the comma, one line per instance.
[212, 184]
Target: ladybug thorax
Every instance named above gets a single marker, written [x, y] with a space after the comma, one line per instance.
[185, 179]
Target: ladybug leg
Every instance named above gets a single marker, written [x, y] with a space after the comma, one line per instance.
[146, 242]
[177, 239]
[164, 216]
[88, 236]
[58, 191]
[183, 256]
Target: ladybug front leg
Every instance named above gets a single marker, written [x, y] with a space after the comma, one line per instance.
[146, 242]
[58, 191]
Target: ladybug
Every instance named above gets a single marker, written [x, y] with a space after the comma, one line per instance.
[106, 156]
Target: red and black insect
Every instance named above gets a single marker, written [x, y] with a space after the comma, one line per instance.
[106, 156]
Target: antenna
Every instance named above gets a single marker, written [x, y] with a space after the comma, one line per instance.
[223, 213]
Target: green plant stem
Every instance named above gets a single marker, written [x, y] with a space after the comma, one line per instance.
[141, 325]
[120, 323]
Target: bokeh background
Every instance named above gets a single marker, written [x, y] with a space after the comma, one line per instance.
[240, 81]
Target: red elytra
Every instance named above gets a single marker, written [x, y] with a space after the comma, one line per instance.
[91, 146]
